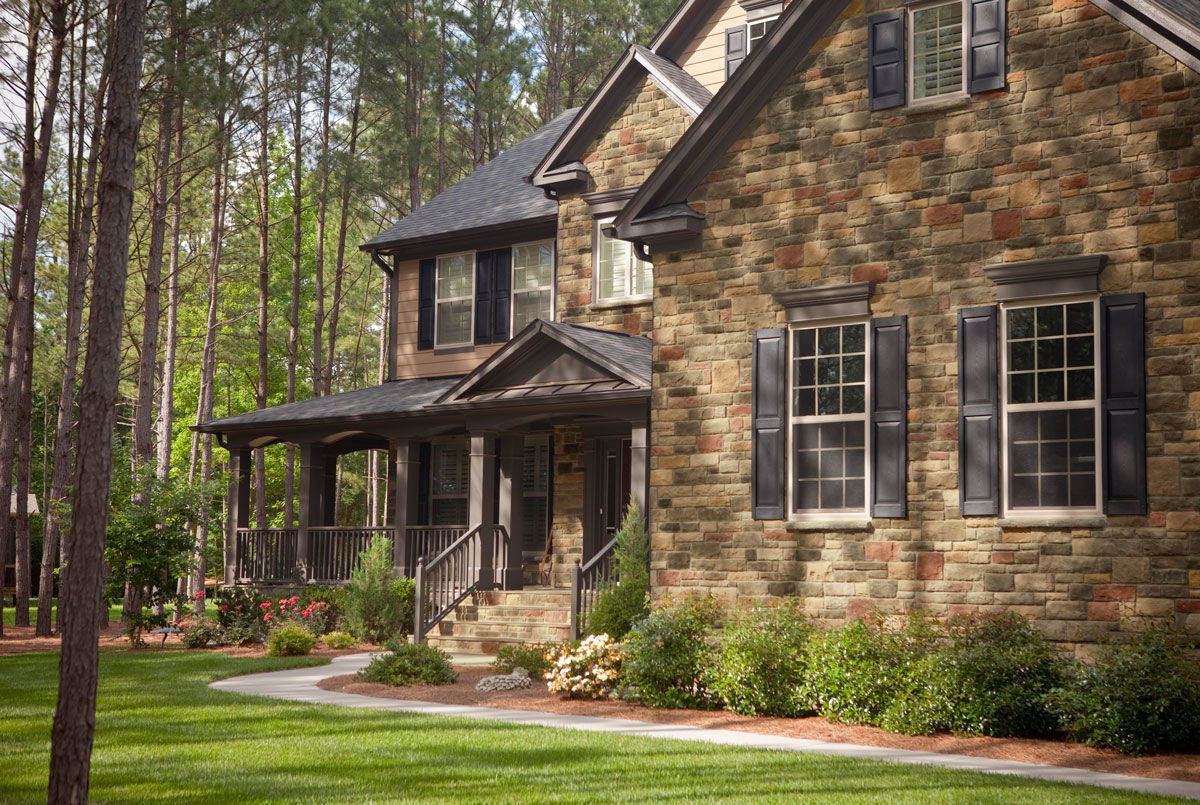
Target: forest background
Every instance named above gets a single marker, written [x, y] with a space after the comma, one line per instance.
[275, 137]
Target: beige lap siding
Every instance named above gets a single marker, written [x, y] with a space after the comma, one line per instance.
[412, 362]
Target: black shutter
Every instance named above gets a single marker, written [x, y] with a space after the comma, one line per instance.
[483, 297]
[424, 459]
[769, 418]
[1123, 402]
[501, 294]
[889, 417]
[735, 48]
[978, 412]
[427, 288]
[885, 60]
[985, 45]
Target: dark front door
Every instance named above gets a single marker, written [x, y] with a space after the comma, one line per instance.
[612, 488]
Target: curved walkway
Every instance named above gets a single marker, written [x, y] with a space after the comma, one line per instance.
[300, 684]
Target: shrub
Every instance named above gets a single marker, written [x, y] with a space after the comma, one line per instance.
[334, 599]
[240, 615]
[758, 666]
[200, 632]
[409, 664]
[589, 669]
[290, 640]
[292, 611]
[854, 673]
[339, 640]
[530, 656]
[378, 606]
[623, 602]
[991, 677]
[1138, 697]
[666, 652]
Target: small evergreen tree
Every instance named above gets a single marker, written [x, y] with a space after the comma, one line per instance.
[378, 605]
[624, 600]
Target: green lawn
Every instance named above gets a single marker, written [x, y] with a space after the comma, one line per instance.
[163, 736]
[114, 611]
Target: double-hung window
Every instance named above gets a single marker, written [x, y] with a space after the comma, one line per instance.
[532, 283]
[1050, 422]
[829, 418]
[449, 481]
[618, 272]
[829, 409]
[455, 299]
[741, 39]
[935, 50]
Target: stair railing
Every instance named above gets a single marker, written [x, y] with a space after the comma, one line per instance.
[586, 582]
[468, 564]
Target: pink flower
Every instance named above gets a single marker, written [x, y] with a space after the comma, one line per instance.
[264, 605]
[267, 617]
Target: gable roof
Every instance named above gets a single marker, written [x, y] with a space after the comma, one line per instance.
[497, 194]
[658, 214]
[560, 167]
[554, 359]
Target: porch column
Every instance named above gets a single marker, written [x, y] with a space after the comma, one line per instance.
[512, 463]
[483, 501]
[639, 466]
[329, 491]
[239, 505]
[312, 487]
[407, 468]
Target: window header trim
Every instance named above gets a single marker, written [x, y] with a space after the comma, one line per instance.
[1060, 276]
[826, 302]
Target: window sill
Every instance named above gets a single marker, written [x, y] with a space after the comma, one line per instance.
[1086, 521]
[453, 349]
[828, 525]
[938, 105]
[624, 301]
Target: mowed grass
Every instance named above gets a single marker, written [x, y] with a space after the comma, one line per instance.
[114, 612]
[163, 736]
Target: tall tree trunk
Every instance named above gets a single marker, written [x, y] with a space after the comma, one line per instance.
[24, 561]
[322, 203]
[413, 95]
[264, 272]
[16, 403]
[289, 480]
[343, 226]
[75, 714]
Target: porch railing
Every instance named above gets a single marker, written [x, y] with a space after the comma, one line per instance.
[427, 541]
[468, 564]
[586, 582]
[333, 550]
[266, 555]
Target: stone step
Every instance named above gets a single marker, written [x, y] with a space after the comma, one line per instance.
[511, 632]
[480, 646]
[488, 620]
[544, 597]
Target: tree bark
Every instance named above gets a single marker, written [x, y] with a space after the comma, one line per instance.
[319, 387]
[75, 714]
[289, 480]
[343, 226]
[264, 272]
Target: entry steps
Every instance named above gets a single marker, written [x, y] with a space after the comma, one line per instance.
[488, 620]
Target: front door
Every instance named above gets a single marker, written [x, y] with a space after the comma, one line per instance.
[612, 488]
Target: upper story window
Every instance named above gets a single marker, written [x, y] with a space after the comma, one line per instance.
[935, 51]
[936, 45]
[532, 283]
[741, 39]
[618, 272]
[455, 294]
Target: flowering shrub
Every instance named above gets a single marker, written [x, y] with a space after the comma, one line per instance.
[200, 632]
[590, 670]
[291, 611]
[240, 615]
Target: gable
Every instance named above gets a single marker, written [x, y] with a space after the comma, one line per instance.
[553, 363]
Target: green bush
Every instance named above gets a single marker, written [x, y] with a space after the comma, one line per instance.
[201, 632]
[992, 676]
[290, 640]
[854, 673]
[239, 611]
[331, 615]
[339, 640]
[409, 664]
[623, 602]
[665, 655]
[530, 656]
[758, 666]
[1138, 697]
[377, 605]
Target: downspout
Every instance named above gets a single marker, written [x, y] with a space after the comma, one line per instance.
[390, 272]
[640, 249]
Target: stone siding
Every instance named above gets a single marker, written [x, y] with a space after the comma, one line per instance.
[1094, 148]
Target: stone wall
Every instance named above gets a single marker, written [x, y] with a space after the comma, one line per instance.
[567, 519]
[1094, 148]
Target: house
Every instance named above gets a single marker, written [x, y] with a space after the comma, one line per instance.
[882, 304]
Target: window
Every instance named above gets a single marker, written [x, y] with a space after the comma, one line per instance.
[757, 30]
[619, 273]
[449, 482]
[455, 296]
[532, 283]
[535, 485]
[741, 39]
[1051, 422]
[829, 419]
[936, 48]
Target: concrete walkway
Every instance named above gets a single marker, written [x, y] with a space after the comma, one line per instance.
[300, 685]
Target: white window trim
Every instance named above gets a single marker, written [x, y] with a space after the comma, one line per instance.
[830, 515]
[1070, 512]
[438, 300]
[909, 53]
[628, 296]
[512, 301]
[767, 21]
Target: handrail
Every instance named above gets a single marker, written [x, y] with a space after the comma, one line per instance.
[586, 582]
[448, 578]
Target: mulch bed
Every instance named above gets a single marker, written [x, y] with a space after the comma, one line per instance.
[1055, 753]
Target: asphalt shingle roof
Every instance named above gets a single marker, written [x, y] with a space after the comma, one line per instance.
[495, 194]
[679, 77]
[387, 399]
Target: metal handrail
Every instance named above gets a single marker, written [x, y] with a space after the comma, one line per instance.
[454, 574]
[586, 581]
